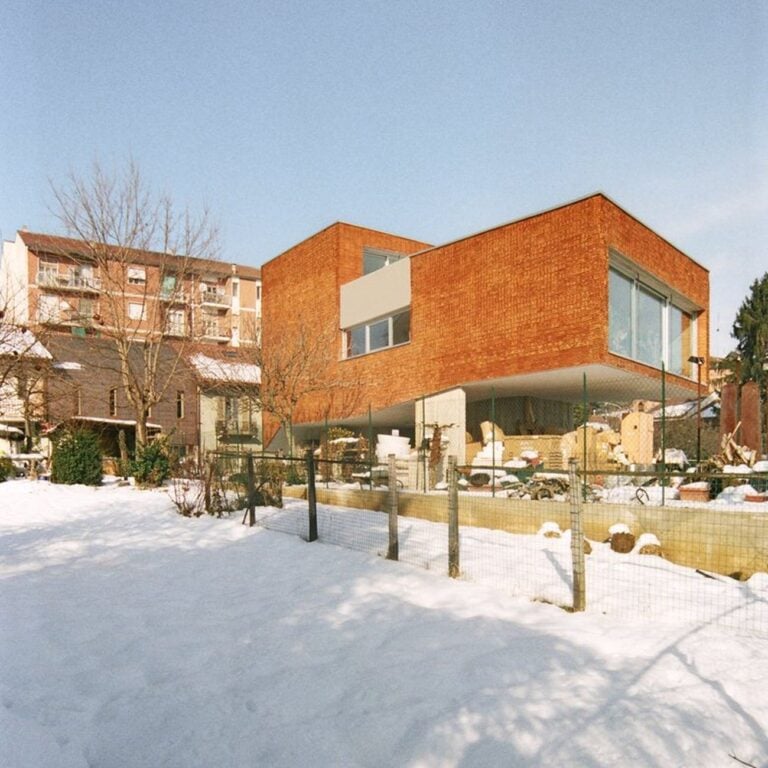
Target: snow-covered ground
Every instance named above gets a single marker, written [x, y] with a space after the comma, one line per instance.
[130, 636]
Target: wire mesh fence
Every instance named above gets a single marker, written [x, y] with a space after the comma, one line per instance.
[671, 507]
[648, 554]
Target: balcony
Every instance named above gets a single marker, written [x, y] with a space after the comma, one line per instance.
[234, 431]
[214, 298]
[62, 281]
[68, 318]
[177, 331]
[214, 332]
[173, 296]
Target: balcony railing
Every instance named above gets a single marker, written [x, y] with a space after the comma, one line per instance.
[66, 318]
[68, 282]
[173, 296]
[215, 331]
[216, 298]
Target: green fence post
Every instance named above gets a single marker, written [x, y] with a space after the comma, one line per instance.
[493, 442]
[577, 539]
[453, 519]
[393, 549]
[663, 432]
[311, 497]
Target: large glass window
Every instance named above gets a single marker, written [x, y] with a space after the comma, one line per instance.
[646, 326]
[620, 314]
[356, 341]
[650, 309]
[677, 337]
[401, 328]
[379, 334]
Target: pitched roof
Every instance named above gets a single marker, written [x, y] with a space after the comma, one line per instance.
[21, 342]
[220, 370]
[57, 245]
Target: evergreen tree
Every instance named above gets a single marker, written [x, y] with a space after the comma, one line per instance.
[751, 333]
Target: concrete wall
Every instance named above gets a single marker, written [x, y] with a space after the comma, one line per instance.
[720, 541]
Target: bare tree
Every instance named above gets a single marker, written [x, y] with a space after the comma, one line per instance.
[24, 363]
[140, 251]
[299, 375]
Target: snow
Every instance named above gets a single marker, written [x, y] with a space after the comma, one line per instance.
[21, 341]
[118, 422]
[131, 636]
[213, 369]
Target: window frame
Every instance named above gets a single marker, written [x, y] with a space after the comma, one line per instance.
[642, 288]
[387, 257]
[142, 311]
[136, 275]
[364, 335]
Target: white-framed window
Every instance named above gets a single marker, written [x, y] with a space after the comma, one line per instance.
[113, 401]
[48, 309]
[378, 334]
[176, 322]
[646, 325]
[179, 404]
[135, 310]
[47, 271]
[137, 276]
[376, 258]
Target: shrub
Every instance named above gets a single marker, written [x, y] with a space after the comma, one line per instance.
[152, 465]
[76, 458]
[6, 469]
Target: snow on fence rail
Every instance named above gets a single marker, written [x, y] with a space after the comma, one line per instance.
[703, 562]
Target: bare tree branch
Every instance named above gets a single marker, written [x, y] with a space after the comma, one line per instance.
[143, 250]
[299, 372]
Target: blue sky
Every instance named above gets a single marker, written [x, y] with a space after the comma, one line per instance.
[427, 119]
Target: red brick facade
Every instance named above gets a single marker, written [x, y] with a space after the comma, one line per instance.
[524, 297]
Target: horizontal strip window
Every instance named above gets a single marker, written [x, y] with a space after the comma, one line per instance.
[378, 334]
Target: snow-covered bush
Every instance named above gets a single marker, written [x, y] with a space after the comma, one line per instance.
[76, 458]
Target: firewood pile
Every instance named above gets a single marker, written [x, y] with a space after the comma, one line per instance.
[731, 453]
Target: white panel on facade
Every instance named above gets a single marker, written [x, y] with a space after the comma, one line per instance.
[380, 293]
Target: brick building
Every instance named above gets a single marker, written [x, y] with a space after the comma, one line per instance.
[81, 296]
[521, 314]
[78, 287]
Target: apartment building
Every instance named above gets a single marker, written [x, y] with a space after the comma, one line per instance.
[83, 288]
[80, 295]
[521, 315]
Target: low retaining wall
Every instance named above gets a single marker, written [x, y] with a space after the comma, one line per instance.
[729, 542]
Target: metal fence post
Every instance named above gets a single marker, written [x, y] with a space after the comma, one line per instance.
[251, 491]
[311, 499]
[453, 519]
[577, 538]
[393, 551]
